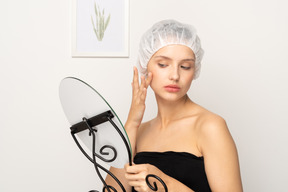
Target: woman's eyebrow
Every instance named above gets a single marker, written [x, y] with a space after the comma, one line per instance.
[189, 60]
[162, 57]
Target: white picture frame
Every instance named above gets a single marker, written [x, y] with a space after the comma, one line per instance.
[100, 28]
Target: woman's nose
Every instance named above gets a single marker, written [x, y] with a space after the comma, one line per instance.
[174, 74]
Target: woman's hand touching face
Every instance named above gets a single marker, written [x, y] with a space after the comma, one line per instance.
[139, 93]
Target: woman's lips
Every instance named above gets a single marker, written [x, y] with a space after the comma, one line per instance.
[172, 88]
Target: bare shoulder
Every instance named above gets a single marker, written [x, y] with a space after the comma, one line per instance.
[209, 120]
[144, 127]
[211, 129]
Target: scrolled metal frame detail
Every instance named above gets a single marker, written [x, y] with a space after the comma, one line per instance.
[107, 116]
[107, 153]
[155, 188]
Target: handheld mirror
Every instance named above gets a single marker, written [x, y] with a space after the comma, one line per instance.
[96, 125]
[84, 106]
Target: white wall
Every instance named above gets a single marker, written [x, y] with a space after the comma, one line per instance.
[244, 79]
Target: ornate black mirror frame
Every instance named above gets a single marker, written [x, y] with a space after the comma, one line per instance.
[91, 124]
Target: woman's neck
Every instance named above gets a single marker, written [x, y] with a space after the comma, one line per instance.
[169, 111]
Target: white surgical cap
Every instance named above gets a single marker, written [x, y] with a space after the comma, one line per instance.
[169, 32]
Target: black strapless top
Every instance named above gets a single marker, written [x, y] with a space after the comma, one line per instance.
[184, 167]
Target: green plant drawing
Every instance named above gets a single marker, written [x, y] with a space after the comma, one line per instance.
[100, 24]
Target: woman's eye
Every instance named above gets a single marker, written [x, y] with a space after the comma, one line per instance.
[161, 65]
[186, 68]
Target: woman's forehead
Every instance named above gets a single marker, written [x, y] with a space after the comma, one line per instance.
[171, 52]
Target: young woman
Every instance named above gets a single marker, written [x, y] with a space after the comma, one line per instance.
[187, 146]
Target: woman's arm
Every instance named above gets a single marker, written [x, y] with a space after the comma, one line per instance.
[137, 107]
[136, 113]
[220, 156]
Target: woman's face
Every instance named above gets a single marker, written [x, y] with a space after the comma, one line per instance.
[173, 69]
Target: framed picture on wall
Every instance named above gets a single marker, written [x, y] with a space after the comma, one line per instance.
[100, 28]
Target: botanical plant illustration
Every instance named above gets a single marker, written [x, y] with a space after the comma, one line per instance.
[100, 23]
